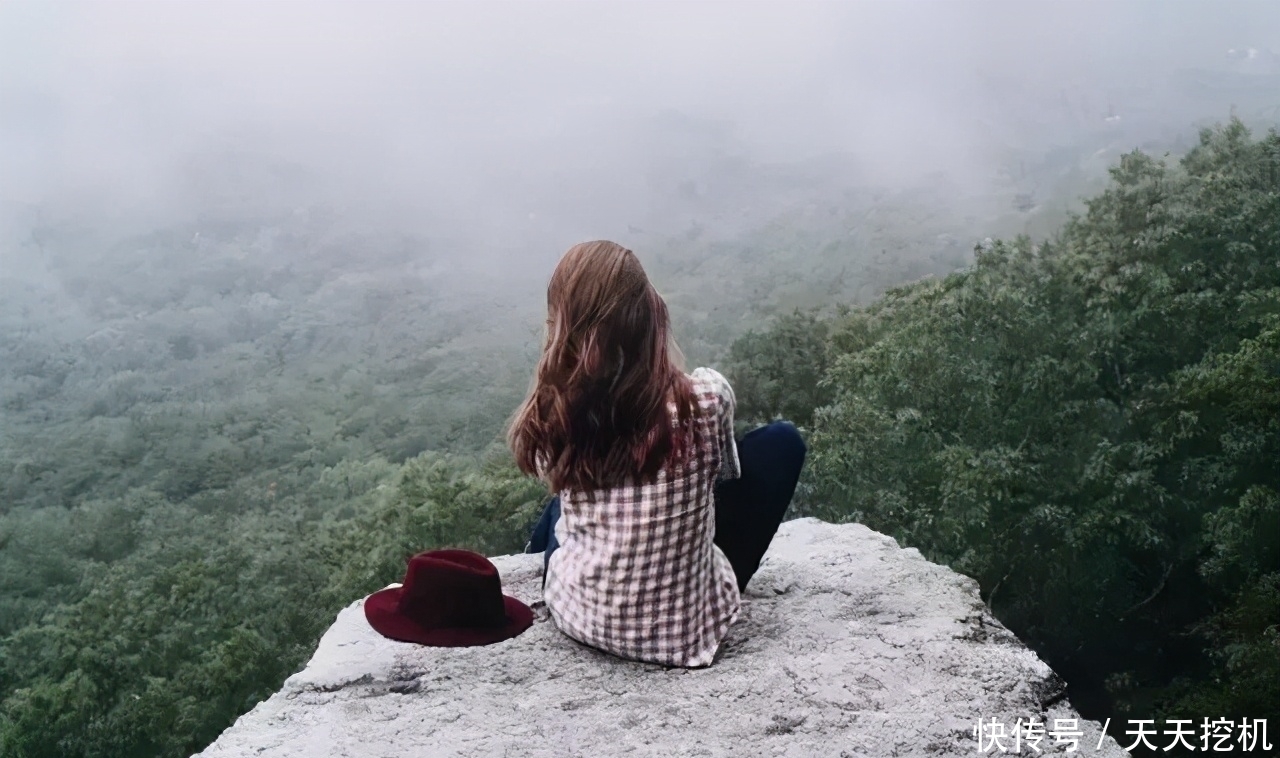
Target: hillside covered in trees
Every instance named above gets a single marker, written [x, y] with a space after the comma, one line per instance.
[197, 475]
[1089, 426]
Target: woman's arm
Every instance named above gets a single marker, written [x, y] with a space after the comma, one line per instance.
[729, 465]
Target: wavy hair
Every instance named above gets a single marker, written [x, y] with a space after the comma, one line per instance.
[598, 413]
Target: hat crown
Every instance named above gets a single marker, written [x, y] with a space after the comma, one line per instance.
[452, 589]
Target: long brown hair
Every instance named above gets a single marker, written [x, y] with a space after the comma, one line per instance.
[598, 412]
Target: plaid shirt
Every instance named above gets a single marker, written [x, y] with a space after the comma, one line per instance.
[636, 573]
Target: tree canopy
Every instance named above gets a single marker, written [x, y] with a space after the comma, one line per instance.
[1089, 426]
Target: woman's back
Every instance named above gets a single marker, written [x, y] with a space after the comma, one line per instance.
[637, 573]
[656, 532]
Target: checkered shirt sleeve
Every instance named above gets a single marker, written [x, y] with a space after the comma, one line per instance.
[637, 573]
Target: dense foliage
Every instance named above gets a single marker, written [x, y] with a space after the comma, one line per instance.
[1090, 427]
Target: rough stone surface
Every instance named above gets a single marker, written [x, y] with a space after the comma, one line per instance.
[847, 645]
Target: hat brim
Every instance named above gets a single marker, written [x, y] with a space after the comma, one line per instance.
[382, 609]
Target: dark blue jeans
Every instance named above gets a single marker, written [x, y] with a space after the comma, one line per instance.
[748, 509]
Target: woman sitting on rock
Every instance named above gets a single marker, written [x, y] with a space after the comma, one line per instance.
[661, 518]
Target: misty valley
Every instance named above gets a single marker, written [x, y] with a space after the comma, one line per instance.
[217, 438]
[1047, 356]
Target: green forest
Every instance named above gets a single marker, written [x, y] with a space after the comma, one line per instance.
[206, 456]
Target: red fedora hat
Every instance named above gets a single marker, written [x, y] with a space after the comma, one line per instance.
[450, 598]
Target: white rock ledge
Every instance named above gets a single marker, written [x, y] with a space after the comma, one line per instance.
[847, 646]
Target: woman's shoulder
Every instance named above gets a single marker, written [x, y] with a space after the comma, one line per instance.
[708, 380]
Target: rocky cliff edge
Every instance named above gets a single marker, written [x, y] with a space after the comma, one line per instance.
[847, 646]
